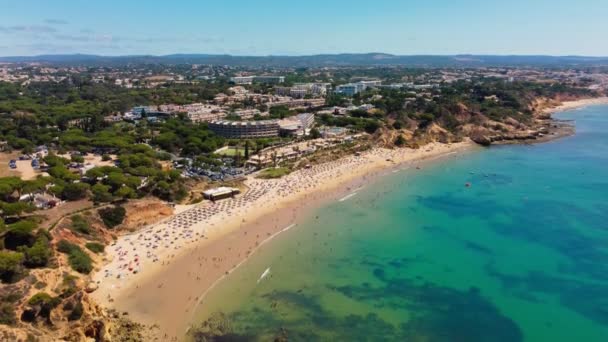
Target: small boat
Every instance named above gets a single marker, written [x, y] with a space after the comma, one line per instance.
[264, 275]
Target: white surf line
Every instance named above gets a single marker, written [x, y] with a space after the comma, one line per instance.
[441, 155]
[264, 275]
[347, 197]
[200, 300]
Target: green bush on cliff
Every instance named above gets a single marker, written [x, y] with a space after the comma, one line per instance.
[113, 216]
[80, 225]
[10, 266]
[79, 260]
[39, 254]
[7, 314]
[95, 247]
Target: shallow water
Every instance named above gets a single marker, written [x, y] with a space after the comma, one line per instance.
[521, 255]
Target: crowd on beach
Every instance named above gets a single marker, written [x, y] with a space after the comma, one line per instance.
[152, 248]
[160, 242]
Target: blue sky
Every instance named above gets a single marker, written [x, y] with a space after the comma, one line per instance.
[283, 27]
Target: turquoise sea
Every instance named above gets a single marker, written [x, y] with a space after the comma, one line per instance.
[520, 255]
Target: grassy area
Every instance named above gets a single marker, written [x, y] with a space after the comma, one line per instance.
[272, 173]
[231, 152]
[95, 247]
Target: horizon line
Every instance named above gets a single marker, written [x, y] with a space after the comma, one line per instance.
[306, 55]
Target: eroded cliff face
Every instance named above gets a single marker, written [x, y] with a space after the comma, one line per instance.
[53, 303]
[74, 318]
[145, 212]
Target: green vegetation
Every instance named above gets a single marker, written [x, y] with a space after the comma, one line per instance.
[23, 246]
[112, 216]
[79, 260]
[39, 254]
[280, 112]
[80, 224]
[231, 152]
[354, 123]
[8, 316]
[95, 247]
[42, 298]
[272, 173]
[76, 312]
[44, 302]
[10, 265]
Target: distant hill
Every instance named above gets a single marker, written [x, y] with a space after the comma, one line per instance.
[367, 59]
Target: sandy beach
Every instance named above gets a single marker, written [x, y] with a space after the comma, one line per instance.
[569, 105]
[160, 274]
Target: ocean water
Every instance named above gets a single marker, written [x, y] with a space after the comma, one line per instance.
[520, 255]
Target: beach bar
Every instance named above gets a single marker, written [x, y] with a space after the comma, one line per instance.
[220, 193]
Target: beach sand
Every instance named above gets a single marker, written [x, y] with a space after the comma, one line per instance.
[160, 274]
[569, 105]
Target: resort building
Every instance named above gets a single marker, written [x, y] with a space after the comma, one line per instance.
[297, 103]
[269, 79]
[242, 80]
[347, 89]
[307, 120]
[296, 125]
[301, 90]
[245, 129]
[351, 89]
[220, 193]
[246, 114]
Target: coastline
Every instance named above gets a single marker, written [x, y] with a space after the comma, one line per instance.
[576, 104]
[165, 293]
[547, 128]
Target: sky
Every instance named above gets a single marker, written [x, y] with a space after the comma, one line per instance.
[304, 27]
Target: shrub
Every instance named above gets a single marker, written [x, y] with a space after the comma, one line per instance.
[77, 158]
[79, 260]
[41, 298]
[45, 302]
[101, 193]
[7, 314]
[10, 265]
[125, 192]
[39, 254]
[371, 127]
[80, 225]
[69, 282]
[16, 208]
[20, 234]
[76, 312]
[53, 160]
[113, 216]
[400, 141]
[106, 157]
[95, 247]
[75, 191]
[65, 247]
